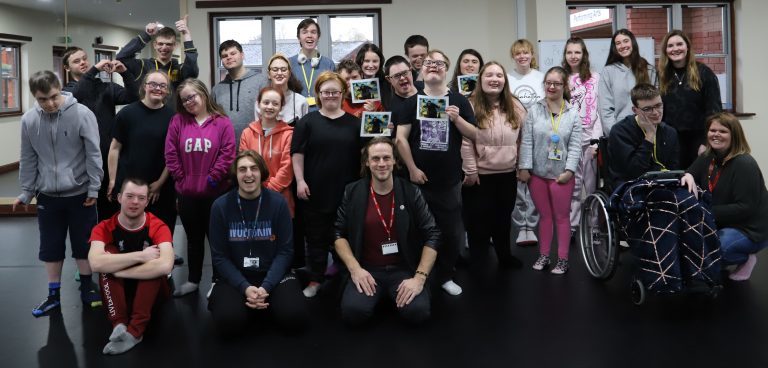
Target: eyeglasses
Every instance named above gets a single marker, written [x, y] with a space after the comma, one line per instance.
[189, 99]
[648, 109]
[155, 85]
[330, 93]
[398, 76]
[131, 197]
[436, 63]
[275, 69]
[553, 84]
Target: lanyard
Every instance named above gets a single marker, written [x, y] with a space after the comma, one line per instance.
[308, 82]
[712, 182]
[170, 65]
[387, 228]
[556, 126]
[653, 155]
[242, 216]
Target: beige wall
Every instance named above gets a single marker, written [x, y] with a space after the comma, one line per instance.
[751, 55]
[485, 25]
[45, 28]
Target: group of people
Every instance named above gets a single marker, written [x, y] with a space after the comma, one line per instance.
[271, 168]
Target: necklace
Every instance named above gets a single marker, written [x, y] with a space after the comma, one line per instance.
[679, 79]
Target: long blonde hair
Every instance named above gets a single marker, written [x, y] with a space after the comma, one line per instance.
[483, 106]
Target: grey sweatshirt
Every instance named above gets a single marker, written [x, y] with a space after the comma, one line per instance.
[238, 98]
[534, 146]
[60, 155]
[613, 97]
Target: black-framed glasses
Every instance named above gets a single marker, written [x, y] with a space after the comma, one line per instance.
[398, 76]
[435, 63]
[330, 93]
[659, 107]
[553, 84]
[188, 99]
[155, 85]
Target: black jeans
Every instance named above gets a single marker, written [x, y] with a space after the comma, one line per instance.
[445, 204]
[357, 308]
[287, 307]
[488, 214]
[195, 214]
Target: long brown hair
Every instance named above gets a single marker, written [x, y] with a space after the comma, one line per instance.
[483, 106]
[739, 145]
[199, 87]
[637, 63]
[584, 72]
[665, 66]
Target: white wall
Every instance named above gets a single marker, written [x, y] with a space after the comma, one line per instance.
[45, 28]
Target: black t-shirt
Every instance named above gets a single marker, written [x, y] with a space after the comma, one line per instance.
[437, 152]
[141, 131]
[331, 149]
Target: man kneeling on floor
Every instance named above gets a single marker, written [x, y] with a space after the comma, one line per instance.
[381, 224]
[133, 251]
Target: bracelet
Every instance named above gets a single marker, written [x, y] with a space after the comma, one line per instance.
[422, 273]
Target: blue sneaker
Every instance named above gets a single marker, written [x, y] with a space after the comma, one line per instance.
[50, 303]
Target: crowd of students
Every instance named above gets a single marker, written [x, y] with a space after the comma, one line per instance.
[268, 168]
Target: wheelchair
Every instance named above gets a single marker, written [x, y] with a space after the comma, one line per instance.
[600, 231]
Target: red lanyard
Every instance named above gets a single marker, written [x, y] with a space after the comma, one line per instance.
[713, 181]
[387, 228]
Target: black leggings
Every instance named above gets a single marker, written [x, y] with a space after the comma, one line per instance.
[488, 214]
[195, 214]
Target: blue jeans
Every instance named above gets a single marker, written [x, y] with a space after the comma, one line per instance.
[736, 247]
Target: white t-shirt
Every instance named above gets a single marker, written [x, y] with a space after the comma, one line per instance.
[528, 88]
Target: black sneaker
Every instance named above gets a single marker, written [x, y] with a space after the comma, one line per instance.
[46, 306]
[91, 298]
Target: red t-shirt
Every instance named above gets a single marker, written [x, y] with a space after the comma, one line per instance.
[375, 234]
[118, 239]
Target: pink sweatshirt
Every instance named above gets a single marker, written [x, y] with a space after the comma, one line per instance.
[199, 156]
[495, 148]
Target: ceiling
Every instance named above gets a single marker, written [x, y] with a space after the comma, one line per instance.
[134, 14]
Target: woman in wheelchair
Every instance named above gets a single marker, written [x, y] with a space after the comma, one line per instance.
[739, 196]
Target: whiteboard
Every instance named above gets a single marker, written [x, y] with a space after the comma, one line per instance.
[551, 52]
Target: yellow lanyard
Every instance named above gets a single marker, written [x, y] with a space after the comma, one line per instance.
[653, 155]
[556, 126]
[170, 65]
[308, 82]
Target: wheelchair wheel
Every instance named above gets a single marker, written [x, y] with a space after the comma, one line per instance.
[638, 292]
[598, 239]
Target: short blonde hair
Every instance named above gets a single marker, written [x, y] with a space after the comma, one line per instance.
[523, 45]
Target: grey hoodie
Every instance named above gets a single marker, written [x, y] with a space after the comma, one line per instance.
[60, 155]
[238, 98]
[613, 97]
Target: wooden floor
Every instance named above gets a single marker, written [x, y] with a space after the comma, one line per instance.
[505, 318]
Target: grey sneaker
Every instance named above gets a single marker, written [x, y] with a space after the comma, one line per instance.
[561, 267]
[540, 263]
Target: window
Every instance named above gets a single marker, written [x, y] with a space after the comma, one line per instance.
[246, 31]
[100, 55]
[348, 34]
[707, 24]
[342, 34]
[10, 71]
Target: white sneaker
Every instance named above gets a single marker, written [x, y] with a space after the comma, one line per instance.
[452, 288]
[526, 237]
[208, 295]
[311, 290]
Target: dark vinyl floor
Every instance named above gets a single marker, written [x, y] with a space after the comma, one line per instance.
[505, 318]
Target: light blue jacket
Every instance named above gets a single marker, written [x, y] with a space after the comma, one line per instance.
[60, 155]
[537, 132]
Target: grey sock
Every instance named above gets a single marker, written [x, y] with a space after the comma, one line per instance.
[126, 342]
[185, 289]
[117, 332]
